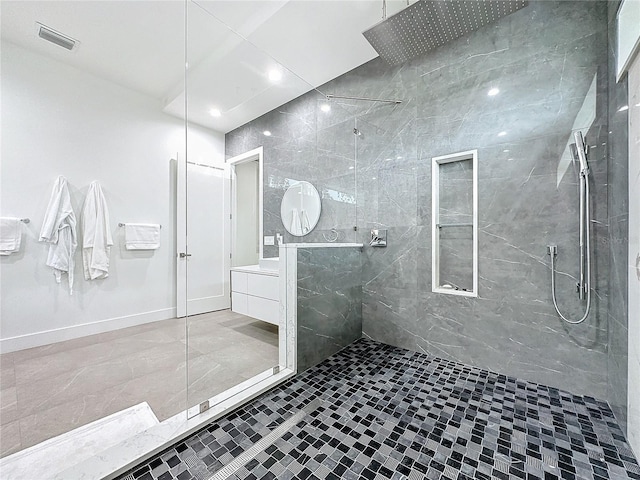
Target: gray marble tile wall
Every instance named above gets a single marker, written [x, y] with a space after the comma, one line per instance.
[618, 200]
[549, 61]
[329, 302]
[309, 144]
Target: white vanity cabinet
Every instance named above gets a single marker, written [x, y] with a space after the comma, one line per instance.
[255, 292]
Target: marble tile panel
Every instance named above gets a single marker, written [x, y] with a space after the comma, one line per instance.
[390, 313]
[92, 379]
[8, 405]
[173, 327]
[214, 373]
[10, 438]
[85, 408]
[7, 372]
[46, 366]
[329, 302]
[395, 265]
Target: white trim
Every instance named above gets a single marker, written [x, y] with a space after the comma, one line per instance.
[250, 156]
[435, 220]
[628, 35]
[38, 339]
[289, 306]
[322, 245]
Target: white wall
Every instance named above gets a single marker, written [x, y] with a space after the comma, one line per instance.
[633, 426]
[57, 120]
[246, 251]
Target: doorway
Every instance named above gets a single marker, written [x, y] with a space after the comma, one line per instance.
[246, 173]
[203, 258]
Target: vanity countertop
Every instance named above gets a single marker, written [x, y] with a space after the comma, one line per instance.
[257, 269]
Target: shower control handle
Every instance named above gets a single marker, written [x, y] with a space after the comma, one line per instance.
[184, 255]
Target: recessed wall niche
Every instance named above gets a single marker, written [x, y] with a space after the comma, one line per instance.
[455, 224]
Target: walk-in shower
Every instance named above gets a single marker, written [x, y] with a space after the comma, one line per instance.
[583, 285]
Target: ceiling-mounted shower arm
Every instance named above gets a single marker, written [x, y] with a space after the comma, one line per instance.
[384, 8]
[382, 100]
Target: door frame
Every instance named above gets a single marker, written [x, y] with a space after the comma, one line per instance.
[257, 154]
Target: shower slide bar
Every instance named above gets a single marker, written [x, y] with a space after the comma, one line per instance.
[329, 97]
[583, 286]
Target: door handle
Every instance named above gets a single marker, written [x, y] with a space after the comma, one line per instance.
[183, 255]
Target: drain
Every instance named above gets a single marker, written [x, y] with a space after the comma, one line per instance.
[263, 443]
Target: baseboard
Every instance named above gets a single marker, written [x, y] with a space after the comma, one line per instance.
[38, 339]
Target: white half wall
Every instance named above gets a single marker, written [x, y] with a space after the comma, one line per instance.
[58, 120]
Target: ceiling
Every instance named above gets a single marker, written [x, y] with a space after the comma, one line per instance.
[231, 46]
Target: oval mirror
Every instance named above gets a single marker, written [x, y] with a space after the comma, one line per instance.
[300, 209]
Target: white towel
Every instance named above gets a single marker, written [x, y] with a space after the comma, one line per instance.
[304, 221]
[96, 236]
[10, 235]
[59, 230]
[142, 236]
[296, 223]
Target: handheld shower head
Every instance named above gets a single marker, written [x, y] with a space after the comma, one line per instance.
[582, 152]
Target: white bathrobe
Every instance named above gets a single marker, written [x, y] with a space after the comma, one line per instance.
[59, 230]
[96, 236]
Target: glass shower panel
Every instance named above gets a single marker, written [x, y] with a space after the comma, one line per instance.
[236, 100]
[91, 126]
[333, 168]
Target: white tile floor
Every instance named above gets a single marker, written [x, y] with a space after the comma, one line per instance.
[49, 390]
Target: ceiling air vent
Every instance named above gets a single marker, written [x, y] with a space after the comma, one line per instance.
[50, 35]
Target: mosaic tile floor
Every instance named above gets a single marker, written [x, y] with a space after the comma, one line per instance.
[383, 412]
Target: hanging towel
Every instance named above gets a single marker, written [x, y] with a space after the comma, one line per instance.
[59, 231]
[96, 237]
[142, 236]
[296, 223]
[10, 235]
[304, 221]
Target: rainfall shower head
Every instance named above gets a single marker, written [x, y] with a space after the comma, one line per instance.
[428, 24]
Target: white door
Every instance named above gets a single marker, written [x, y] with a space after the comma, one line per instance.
[204, 246]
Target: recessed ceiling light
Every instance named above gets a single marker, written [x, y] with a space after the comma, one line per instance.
[351, 168]
[505, 151]
[502, 134]
[493, 92]
[325, 107]
[275, 75]
[266, 133]
[214, 112]
[623, 109]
